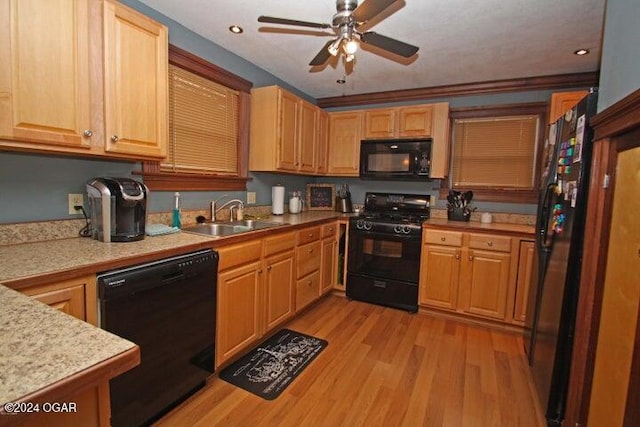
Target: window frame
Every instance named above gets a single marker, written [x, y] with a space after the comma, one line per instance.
[156, 179]
[539, 109]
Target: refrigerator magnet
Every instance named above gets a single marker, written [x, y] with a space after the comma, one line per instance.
[579, 138]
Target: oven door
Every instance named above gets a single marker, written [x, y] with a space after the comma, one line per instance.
[384, 256]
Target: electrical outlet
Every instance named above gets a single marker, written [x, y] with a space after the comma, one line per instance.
[75, 200]
[251, 197]
[433, 201]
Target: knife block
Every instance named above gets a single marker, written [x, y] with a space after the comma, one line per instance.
[343, 204]
[458, 214]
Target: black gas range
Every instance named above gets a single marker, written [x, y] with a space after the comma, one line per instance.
[383, 265]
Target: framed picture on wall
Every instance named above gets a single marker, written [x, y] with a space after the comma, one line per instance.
[321, 197]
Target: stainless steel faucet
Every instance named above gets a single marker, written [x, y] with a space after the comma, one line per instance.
[233, 203]
[212, 207]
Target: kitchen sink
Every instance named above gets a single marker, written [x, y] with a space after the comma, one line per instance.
[230, 228]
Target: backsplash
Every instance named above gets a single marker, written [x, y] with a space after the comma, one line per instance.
[11, 234]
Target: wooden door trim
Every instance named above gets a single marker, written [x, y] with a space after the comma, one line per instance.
[617, 129]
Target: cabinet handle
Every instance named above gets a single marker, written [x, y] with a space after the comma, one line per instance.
[268, 267]
[470, 257]
[489, 243]
[309, 282]
[310, 234]
[87, 133]
[115, 138]
[310, 251]
[443, 239]
[260, 271]
[457, 256]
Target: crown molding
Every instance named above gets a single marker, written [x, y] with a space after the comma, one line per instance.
[560, 81]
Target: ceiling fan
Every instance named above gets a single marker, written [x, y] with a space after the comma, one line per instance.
[348, 18]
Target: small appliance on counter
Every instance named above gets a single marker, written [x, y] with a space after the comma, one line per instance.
[118, 209]
[277, 199]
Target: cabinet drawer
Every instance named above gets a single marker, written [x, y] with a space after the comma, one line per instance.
[279, 243]
[307, 290]
[329, 230]
[490, 242]
[239, 254]
[308, 235]
[307, 258]
[442, 237]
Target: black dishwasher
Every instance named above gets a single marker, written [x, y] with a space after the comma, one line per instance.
[168, 308]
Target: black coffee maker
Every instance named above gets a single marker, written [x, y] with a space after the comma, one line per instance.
[118, 209]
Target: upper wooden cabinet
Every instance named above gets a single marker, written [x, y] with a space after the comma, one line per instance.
[345, 133]
[284, 131]
[346, 129]
[322, 143]
[136, 83]
[561, 102]
[400, 122]
[76, 73]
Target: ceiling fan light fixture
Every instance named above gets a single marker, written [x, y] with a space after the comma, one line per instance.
[333, 47]
[351, 46]
[349, 57]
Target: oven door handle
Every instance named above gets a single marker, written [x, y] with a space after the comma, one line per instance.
[379, 284]
[387, 236]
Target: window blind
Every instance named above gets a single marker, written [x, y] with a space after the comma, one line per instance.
[203, 125]
[496, 152]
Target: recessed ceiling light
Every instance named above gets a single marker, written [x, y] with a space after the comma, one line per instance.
[581, 52]
[236, 29]
[341, 81]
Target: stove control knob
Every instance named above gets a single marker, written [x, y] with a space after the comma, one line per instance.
[360, 224]
[397, 229]
[367, 225]
[406, 229]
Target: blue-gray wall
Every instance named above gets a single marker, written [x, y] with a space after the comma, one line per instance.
[620, 64]
[34, 187]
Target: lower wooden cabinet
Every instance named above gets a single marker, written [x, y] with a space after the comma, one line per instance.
[308, 260]
[256, 291]
[472, 274]
[525, 266]
[328, 258]
[75, 297]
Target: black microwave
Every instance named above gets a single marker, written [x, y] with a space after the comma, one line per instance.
[408, 159]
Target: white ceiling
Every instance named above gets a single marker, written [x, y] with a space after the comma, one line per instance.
[460, 41]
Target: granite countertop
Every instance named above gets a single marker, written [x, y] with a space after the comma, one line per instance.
[519, 229]
[40, 347]
[28, 264]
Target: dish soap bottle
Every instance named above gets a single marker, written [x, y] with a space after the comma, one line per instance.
[175, 222]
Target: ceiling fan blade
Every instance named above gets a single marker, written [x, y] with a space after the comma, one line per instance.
[370, 8]
[272, 20]
[389, 44]
[322, 56]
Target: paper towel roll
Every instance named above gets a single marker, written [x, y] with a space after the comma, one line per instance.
[277, 199]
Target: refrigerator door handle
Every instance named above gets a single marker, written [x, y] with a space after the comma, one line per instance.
[546, 241]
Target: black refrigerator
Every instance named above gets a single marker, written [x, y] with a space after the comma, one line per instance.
[553, 296]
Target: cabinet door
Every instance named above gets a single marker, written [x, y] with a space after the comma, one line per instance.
[380, 123]
[238, 310]
[485, 283]
[322, 142]
[414, 121]
[439, 276]
[307, 290]
[76, 297]
[136, 83]
[561, 102]
[287, 154]
[440, 140]
[279, 288]
[345, 130]
[525, 264]
[328, 265]
[307, 137]
[307, 258]
[45, 73]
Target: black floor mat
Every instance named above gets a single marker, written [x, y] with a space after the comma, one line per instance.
[270, 367]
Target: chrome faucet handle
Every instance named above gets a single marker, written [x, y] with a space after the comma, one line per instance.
[212, 206]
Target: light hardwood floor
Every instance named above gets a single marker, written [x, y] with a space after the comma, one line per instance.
[384, 367]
